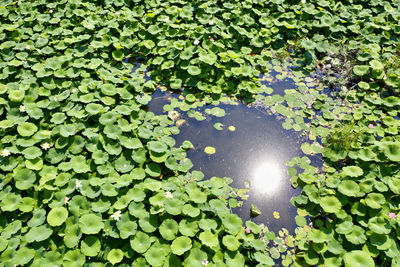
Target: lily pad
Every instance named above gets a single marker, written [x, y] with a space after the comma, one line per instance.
[330, 204]
[358, 258]
[209, 150]
[26, 129]
[180, 245]
[57, 216]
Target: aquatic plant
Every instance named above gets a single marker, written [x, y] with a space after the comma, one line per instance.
[85, 168]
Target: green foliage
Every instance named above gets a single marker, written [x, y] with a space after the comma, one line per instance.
[84, 167]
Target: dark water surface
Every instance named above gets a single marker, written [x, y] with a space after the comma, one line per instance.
[256, 151]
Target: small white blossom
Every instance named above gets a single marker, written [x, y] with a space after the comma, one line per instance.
[22, 108]
[66, 200]
[78, 184]
[204, 262]
[45, 146]
[116, 215]
[168, 195]
[303, 1]
[166, 20]
[5, 153]
[74, 90]
[211, 22]
[196, 42]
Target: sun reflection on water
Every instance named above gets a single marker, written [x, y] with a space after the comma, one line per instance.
[267, 177]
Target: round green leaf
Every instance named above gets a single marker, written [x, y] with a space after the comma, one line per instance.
[27, 129]
[115, 256]
[90, 246]
[91, 224]
[180, 245]
[330, 204]
[24, 179]
[57, 216]
[358, 258]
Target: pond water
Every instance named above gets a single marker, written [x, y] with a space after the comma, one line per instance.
[256, 151]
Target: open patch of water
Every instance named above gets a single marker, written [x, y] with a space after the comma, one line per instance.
[255, 151]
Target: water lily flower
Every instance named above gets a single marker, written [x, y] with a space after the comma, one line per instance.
[22, 108]
[66, 200]
[392, 215]
[74, 90]
[303, 1]
[78, 184]
[168, 195]
[45, 146]
[248, 230]
[50, 10]
[166, 20]
[204, 262]
[210, 22]
[116, 215]
[5, 153]
[196, 42]
[370, 126]
[116, 13]
[212, 39]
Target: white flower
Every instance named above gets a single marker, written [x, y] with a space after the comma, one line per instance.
[74, 90]
[116, 215]
[196, 42]
[22, 108]
[5, 153]
[66, 200]
[78, 184]
[210, 22]
[303, 1]
[204, 262]
[45, 146]
[168, 195]
[166, 20]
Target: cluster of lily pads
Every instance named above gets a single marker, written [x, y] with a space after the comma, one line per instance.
[88, 176]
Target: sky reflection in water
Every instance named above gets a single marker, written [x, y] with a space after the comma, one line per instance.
[256, 151]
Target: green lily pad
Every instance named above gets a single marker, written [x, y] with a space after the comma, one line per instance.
[57, 216]
[180, 245]
[392, 151]
[141, 242]
[115, 256]
[38, 233]
[168, 229]
[209, 150]
[90, 246]
[24, 179]
[375, 200]
[358, 258]
[91, 224]
[352, 171]
[349, 188]
[330, 204]
[26, 129]
[209, 239]
[231, 242]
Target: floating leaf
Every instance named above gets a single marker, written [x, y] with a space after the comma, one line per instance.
[27, 129]
[91, 224]
[358, 258]
[57, 216]
[180, 245]
[115, 256]
[209, 150]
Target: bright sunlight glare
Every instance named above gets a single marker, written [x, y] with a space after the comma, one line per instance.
[267, 177]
